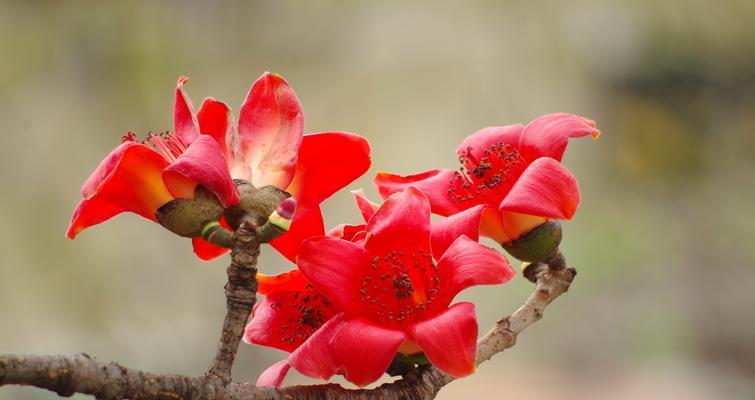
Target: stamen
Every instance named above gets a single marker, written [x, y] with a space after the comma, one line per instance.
[399, 287]
[167, 144]
[309, 310]
[129, 137]
[489, 178]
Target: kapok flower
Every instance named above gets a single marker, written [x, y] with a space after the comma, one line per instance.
[386, 291]
[140, 177]
[511, 179]
[268, 148]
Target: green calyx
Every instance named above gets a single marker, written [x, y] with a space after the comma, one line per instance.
[189, 217]
[256, 204]
[538, 245]
[402, 363]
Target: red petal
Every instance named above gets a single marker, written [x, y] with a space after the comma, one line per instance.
[548, 135]
[128, 179]
[402, 222]
[327, 162]
[215, 120]
[207, 251]
[315, 357]
[366, 207]
[202, 163]
[269, 315]
[477, 142]
[289, 316]
[449, 339]
[271, 126]
[435, 184]
[274, 375]
[347, 232]
[287, 281]
[184, 122]
[545, 189]
[307, 223]
[467, 222]
[365, 350]
[336, 267]
[467, 263]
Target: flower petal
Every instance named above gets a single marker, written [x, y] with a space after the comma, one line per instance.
[128, 179]
[271, 125]
[315, 357]
[548, 135]
[289, 315]
[434, 184]
[184, 122]
[287, 281]
[365, 349]
[477, 142]
[468, 263]
[207, 251]
[273, 376]
[328, 161]
[348, 232]
[366, 207]
[467, 222]
[269, 315]
[402, 222]
[545, 189]
[215, 120]
[307, 223]
[336, 267]
[202, 163]
[449, 339]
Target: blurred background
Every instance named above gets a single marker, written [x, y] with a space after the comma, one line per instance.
[663, 306]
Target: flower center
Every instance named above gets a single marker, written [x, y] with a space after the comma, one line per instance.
[489, 178]
[310, 310]
[400, 287]
[166, 143]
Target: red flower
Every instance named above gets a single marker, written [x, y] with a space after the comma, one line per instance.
[376, 290]
[268, 148]
[511, 178]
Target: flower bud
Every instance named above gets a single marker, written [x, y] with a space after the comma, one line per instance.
[540, 244]
[278, 222]
[283, 215]
[187, 217]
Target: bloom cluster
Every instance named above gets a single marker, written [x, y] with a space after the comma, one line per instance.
[364, 299]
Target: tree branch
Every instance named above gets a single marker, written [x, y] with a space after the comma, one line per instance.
[240, 294]
[66, 375]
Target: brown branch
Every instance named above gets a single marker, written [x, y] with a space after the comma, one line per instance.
[240, 294]
[67, 375]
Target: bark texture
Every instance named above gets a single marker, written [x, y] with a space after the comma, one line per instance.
[240, 295]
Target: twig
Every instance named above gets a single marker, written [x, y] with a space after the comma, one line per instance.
[67, 375]
[240, 294]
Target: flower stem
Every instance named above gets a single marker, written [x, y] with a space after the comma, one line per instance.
[240, 293]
